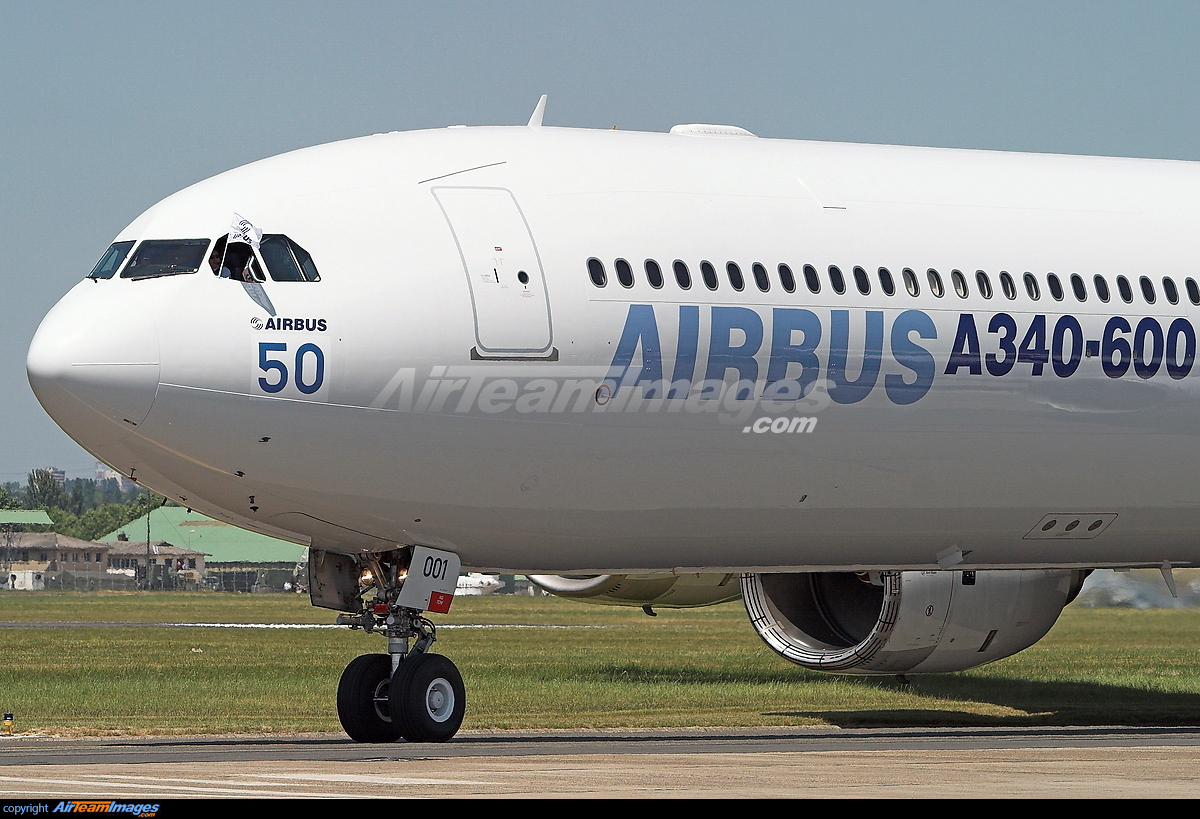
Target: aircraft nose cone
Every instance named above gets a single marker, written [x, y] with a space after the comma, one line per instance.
[81, 366]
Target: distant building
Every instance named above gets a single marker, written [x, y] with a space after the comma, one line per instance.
[28, 557]
[132, 556]
[59, 475]
[35, 560]
[104, 473]
[235, 559]
[25, 581]
[42, 551]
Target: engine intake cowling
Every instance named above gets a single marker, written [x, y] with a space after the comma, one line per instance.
[660, 589]
[905, 622]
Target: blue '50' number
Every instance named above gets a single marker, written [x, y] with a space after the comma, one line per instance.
[305, 382]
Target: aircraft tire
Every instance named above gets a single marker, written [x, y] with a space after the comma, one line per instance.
[363, 699]
[428, 699]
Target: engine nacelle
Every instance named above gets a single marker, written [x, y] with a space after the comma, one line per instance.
[673, 591]
[905, 622]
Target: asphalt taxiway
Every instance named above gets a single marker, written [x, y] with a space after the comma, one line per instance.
[743, 763]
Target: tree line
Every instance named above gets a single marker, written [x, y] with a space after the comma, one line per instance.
[80, 507]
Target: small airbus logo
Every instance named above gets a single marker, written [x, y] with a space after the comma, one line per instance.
[311, 325]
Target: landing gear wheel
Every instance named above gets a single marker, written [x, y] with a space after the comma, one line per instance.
[362, 699]
[427, 698]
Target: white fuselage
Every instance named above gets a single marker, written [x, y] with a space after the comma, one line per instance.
[422, 393]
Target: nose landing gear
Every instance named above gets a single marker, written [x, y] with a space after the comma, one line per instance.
[405, 693]
[413, 694]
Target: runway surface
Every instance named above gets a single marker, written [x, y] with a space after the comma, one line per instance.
[743, 763]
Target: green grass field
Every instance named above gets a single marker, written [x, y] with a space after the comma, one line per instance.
[600, 668]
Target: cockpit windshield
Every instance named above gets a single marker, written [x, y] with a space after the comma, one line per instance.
[165, 257]
[287, 261]
[111, 260]
[284, 260]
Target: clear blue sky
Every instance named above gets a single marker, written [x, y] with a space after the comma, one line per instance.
[106, 108]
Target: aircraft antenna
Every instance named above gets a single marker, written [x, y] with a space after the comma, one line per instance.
[535, 121]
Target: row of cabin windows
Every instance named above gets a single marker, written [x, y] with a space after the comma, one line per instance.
[863, 282]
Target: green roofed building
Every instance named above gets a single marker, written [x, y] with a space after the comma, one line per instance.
[223, 542]
[236, 559]
[22, 517]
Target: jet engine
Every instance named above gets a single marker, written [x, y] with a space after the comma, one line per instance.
[905, 622]
[675, 591]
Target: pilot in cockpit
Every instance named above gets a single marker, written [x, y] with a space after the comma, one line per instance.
[232, 261]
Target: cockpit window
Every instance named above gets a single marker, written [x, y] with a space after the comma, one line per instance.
[285, 260]
[111, 260]
[234, 260]
[165, 257]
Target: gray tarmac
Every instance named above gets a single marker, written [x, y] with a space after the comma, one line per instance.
[1134, 762]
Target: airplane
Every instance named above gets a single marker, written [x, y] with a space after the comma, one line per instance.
[477, 583]
[900, 400]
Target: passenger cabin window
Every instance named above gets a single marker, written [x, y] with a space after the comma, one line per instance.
[1008, 285]
[683, 276]
[786, 280]
[1078, 286]
[165, 257]
[1056, 289]
[596, 272]
[812, 279]
[960, 283]
[735, 276]
[861, 281]
[1124, 289]
[1170, 290]
[885, 281]
[624, 272]
[985, 284]
[653, 274]
[1147, 289]
[111, 260]
[1101, 286]
[935, 283]
[709, 274]
[910, 282]
[836, 280]
[1031, 287]
[760, 277]
[1193, 291]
